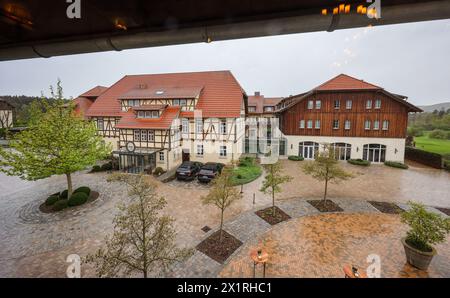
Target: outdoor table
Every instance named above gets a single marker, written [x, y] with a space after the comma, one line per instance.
[259, 256]
[349, 272]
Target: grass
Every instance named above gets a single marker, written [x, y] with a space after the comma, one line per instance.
[433, 145]
[246, 172]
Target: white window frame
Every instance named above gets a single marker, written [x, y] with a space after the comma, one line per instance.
[141, 114]
[151, 135]
[368, 104]
[143, 135]
[385, 124]
[102, 125]
[302, 124]
[223, 151]
[348, 104]
[309, 124]
[161, 156]
[252, 109]
[336, 121]
[155, 114]
[200, 150]
[183, 102]
[376, 124]
[185, 125]
[317, 124]
[199, 124]
[310, 104]
[367, 125]
[137, 135]
[176, 102]
[378, 104]
[347, 124]
[337, 104]
[223, 127]
[318, 104]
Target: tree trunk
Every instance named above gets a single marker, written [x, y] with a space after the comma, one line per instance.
[221, 225]
[273, 202]
[325, 193]
[69, 185]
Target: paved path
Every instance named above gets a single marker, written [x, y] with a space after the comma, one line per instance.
[248, 227]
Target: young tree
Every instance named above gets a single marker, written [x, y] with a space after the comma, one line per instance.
[222, 194]
[273, 180]
[326, 168]
[56, 142]
[142, 240]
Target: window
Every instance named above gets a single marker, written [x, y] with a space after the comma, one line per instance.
[133, 102]
[342, 151]
[310, 104]
[141, 114]
[309, 124]
[347, 124]
[252, 109]
[183, 102]
[200, 150]
[223, 127]
[376, 124]
[378, 104]
[155, 114]
[100, 124]
[385, 124]
[161, 156]
[268, 109]
[148, 114]
[337, 104]
[176, 102]
[318, 104]
[335, 124]
[143, 135]
[317, 124]
[223, 151]
[151, 135]
[137, 135]
[374, 152]
[185, 126]
[199, 126]
[367, 124]
[348, 104]
[302, 123]
[369, 104]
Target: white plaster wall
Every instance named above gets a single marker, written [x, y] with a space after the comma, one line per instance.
[395, 148]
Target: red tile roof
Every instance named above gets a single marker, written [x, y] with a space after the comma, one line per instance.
[221, 96]
[259, 101]
[345, 82]
[129, 119]
[94, 92]
[82, 104]
[149, 107]
[162, 92]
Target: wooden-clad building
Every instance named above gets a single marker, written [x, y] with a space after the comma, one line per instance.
[359, 119]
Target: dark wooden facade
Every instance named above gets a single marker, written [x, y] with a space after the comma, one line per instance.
[395, 112]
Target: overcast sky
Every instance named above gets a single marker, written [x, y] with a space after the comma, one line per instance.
[409, 59]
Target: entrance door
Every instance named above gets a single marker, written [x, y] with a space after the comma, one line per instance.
[374, 152]
[308, 149]
[308, 152]
[186, 156]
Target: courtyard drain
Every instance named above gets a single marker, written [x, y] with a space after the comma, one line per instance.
[206, 229]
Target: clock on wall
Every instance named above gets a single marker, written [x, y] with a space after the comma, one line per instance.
[131, 147]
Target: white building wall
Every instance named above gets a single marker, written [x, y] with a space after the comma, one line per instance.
[395, 147]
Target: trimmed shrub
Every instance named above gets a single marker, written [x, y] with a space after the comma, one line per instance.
[107, 166]
[246, 161]
[51, 200]
[96, 168]
[295, 158]
[438, 134]
[64, 194]
[56, 194]
[60, 205]
[424, 157]
[415, 131]
[77, 198]
[359, 162]
[158, 171]
[83, 189]
[395, 164]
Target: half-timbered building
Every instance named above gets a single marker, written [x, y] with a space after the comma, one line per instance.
[6, 114]
[357, 119]
[160, 120]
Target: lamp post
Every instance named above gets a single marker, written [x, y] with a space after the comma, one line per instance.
[259, 256]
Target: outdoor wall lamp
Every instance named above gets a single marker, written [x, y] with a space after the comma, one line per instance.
[357, 149]
[120, 25]
[395, 150]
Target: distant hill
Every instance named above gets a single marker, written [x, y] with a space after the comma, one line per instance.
[439, 106]
[19, 100]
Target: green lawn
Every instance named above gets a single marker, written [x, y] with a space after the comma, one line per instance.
[246, 172]
[433, 145]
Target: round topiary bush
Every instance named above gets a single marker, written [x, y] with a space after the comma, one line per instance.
[64, 194]
[96, 168]
[77, 198]
[295, 158]
[107, 166]
[83, 189]
[60, 205]
[158, 171]
[52, 200]
[359, 162]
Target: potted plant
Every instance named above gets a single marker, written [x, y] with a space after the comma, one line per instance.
[426, 229]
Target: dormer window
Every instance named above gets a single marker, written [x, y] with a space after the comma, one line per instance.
[133, 102]
[179, 102]
[148, 114]
[252, 109]
[268, 109]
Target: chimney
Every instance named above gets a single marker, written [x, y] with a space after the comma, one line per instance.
[257, 93]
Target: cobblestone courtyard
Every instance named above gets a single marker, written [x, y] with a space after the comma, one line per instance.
[36, 244]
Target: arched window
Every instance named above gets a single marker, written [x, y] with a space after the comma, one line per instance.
[342, 151]
[374, 152]
[308, 150]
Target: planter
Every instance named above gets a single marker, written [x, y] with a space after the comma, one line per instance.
[417, 258]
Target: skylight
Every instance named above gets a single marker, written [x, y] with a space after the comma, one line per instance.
[159, 92]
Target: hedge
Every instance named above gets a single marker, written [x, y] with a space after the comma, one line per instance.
[64, 194]
[77, 198]
[51, 200]
[424, 157]
[83, 189]
[60, 205]
[295, 158]
[158, 171]
[359, 162]
[395, 164]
